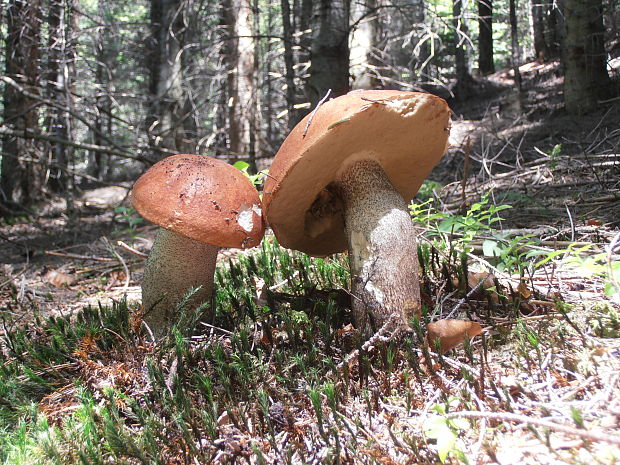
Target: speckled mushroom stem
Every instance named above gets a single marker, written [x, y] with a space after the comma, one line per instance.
[382, 248]
[175, 265]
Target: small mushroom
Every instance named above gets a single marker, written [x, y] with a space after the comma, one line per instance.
[201, 204]
[342, 180]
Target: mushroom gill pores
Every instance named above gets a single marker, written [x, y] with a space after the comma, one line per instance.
[201, 204]
[342, 180]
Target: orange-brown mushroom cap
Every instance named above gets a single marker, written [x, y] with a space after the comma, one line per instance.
[202, 198]
[405, 132]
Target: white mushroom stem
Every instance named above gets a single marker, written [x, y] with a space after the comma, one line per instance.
[175, 266]
[382, 248]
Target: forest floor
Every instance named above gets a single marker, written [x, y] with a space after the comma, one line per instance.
[548, 395]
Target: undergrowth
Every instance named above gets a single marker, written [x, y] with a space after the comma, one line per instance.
[279, 374]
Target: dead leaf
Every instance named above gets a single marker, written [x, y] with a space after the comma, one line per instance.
[59, 279]
[451, 333]
[594, 222]
[524, 291]
[348, 329]
[474, 278]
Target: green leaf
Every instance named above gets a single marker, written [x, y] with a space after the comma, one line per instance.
[241, 166]
[610, 289]
[439, 408]
[577, 417]
[491, 248]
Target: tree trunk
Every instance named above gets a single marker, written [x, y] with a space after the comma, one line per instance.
[329, 60]
[485, 37]
[556, 28]
[60, 89]
[22, 173]
[514, 48]
[241, 89]
[363, 43]
[168, 122]
[538, 9]
[289, 62]
[585, 78]
[105, 51]
[464, 80]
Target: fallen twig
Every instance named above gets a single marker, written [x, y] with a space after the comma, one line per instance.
[130, 249]
[329, 91]
[78, 257]
[516, 418]
[469, 294]
[120, 259]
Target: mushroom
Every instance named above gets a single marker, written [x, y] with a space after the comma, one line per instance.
[342, 180]
[201, 204]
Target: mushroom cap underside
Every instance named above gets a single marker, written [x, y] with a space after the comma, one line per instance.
[405, 132]
[202, 198]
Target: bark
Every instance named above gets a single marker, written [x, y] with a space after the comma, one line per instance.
[363, 44]
[485, 37]
[271, 135]
[105, 50]
[329, 60]
[169, 124]
[60, 89]
[556, 28]
[241, 88]
[514, 41]
[539, 8]
[421, 53]
[289, 63]
[21, 181]
[586, 77]
[464, 81]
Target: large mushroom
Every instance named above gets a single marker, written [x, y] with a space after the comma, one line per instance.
[201, 204]
[342, 180]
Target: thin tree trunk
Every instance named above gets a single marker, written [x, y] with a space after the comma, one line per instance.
[514, 36]
[556, 28]
[241, 89]
[538, 25]
[60, 88]
[586, 77]
[21, 178]
[168, 119]
[421, 60]
[329, 61]
[485, 37]
[270, 142]
[105, 52]
[289, 63]
[363, 43]
[464, 80]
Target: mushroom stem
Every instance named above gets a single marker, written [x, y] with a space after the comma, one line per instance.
[382, 247]
[176, 265]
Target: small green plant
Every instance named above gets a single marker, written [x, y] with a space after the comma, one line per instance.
[605, 322]
[427, 189]
[129, 218]
[445, 431]
[479, 218]
[553, 154]
[256, 179]
[602, 265]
